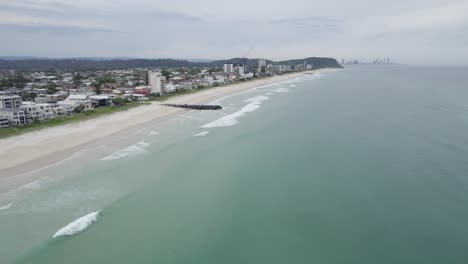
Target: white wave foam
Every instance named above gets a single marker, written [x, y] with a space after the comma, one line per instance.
[153, 133]
[231, 120]
[256, 99]
[128, 151]
[282, 90]
[78, 225]
[202, 134]
[6, 206]
[292, 85]
[269, 94]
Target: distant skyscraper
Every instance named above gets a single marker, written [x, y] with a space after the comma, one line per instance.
[262, 66]
[228, 68]
[155, 81]
[239, 69]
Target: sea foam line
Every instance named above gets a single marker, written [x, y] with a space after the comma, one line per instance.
[6, 206]
[77, 225]
[231, 120]
[128, 151]
[202, 134]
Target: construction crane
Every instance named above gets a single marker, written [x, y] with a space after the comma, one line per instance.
[245, 55]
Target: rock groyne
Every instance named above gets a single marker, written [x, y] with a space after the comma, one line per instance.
[196, 107]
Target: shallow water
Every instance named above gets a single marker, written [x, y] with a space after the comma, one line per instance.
[361, 165]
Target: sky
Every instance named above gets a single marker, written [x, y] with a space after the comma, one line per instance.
[407, 31]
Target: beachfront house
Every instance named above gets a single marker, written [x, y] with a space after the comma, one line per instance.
[76, 100]
[4, 122]
[15, 116]
[37, 111]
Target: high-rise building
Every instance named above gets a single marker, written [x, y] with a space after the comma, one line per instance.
[155, 81]
[262, 66]
[239, 69]
[228, 68]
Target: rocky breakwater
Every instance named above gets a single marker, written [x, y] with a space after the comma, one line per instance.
[196, 107]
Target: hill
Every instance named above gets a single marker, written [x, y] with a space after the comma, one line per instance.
[83, 64]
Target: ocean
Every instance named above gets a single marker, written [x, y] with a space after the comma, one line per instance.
[367, 164]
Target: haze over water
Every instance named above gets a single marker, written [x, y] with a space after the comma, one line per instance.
[360, 165]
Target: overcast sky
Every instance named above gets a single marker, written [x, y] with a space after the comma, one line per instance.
[408, 31]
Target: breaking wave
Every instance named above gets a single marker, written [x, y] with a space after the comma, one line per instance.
[153, 133]
[5, 207]
[128, 151]
[282, 90]
[202, 134]
[78, 225]
[256, 99]
[231, 120]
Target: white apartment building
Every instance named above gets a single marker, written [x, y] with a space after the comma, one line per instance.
[10, 101]
[38, 111]
[4, 122]
[228, 68]
[155, 81]
[15, 116]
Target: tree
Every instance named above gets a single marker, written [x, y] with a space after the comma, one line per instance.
[119, 101]
[77, 79]
[79, 109]
[29, 96]
[51, 88]
[166, 74]
[16, 80]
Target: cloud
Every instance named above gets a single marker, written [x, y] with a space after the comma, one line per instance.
[220, 29]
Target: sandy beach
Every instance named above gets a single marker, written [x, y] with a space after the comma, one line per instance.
[22, 153]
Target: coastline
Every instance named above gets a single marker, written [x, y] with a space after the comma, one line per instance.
[30, 151]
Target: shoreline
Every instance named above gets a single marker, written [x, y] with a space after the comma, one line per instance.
[38, 149]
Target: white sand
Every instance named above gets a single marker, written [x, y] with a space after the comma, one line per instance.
[23, 149]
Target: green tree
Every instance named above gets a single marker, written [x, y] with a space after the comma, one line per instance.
[119, 101]
[166, 73]
[29, 96]
[51, 88]
[79, 109]
[16, 80]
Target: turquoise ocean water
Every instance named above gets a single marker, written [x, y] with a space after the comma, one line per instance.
[360, 165]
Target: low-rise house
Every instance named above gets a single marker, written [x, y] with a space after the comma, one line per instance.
[16, 116]
[62, 110]
[144, 90]
[41, 99]
[76, 100]
[101, 100]
[169, 88]
[135, 97]
[54, 98]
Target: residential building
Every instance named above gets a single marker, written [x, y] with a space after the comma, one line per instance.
[10, 101]
[37, 111]
[239, 70]
[262, 66]
[144, 90]
[4, 122]
[155, 81]
[76, 100]
[228, 68]
[16, 116]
